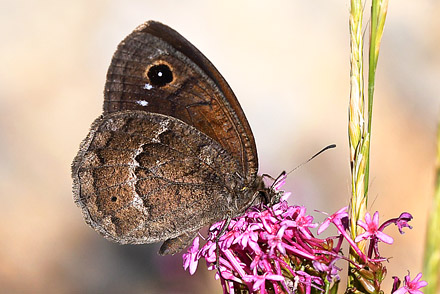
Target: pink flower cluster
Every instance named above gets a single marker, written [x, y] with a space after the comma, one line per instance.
[272, 250]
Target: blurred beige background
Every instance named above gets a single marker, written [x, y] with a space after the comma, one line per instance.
[288, 63]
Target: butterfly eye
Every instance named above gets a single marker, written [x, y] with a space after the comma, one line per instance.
[160, 75]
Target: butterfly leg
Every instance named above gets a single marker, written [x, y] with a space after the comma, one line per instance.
[226, 223]
[175, 245]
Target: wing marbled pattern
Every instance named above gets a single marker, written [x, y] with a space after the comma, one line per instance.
[146, 157]
[172, 151]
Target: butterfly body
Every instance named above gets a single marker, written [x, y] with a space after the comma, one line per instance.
[172, 151]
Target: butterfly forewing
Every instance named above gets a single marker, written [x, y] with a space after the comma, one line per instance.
[196, 93]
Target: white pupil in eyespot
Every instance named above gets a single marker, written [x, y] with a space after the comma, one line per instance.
[159, 75]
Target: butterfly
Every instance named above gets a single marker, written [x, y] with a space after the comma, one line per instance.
[171, 152]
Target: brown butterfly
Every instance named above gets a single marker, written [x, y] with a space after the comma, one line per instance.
[172, 151]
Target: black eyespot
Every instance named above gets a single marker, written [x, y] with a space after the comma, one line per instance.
[114, 199]
[160, 75]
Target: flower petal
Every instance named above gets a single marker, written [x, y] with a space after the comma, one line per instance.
[384, 237]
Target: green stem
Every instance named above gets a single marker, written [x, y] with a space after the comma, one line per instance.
[431, 262]
[378, 15]
[371, 81]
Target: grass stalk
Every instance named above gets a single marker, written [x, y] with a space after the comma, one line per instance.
[356, 129]
[359, 125]
[360, 122]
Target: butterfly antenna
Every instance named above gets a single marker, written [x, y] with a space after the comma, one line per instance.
[308, 160]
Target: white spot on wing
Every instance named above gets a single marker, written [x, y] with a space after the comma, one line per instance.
[147, 86]
[142, 102]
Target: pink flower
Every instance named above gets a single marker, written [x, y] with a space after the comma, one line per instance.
[259, 281]
[334, 218]
[371, 227]
[262, 248]
[276, 241]
[301, 221]
[332, 270]
[249, 237]
[271, 249]
[413, 286]
[402, 221]
[191, 259]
